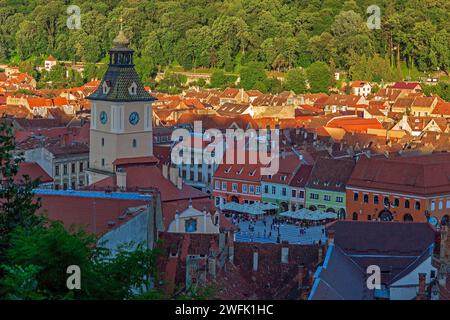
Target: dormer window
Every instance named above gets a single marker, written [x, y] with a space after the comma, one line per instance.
[240, 171]
[283, 178]
[132, 90]
[252, 173]
[228, 170]
[105, 87]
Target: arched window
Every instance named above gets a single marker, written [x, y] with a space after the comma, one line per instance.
[408, 218]
[103, 142]
[386, 201]
[396, 202]
[134, 143]
[355, 216]
[417, 206]
[375, 200]
[366, 198]
[355, 196]
[406, 204]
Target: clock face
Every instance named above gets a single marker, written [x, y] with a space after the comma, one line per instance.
[103, 117]
[134, 118]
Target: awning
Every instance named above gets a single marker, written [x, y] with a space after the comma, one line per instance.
[256, 208]
[305, 214]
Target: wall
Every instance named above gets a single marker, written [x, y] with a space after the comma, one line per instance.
[411, 280]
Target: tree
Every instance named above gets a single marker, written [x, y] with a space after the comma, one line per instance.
[296, 80]
[38, 258]
[251, 74]
[218, 79]
[319, 77]
[18, 205]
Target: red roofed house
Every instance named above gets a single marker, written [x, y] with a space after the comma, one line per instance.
[408, 87]
[240, 183]
[360, 88]
[400, 189]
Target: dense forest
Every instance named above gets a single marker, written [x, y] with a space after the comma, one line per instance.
[277, 34]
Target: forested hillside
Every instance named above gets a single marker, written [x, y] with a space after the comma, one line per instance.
[280, 34]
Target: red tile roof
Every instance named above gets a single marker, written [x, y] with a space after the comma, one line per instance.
[421, 175]
[34, 171]
[405, 85]
[92, 212]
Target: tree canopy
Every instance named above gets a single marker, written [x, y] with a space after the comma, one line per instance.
[280, 34]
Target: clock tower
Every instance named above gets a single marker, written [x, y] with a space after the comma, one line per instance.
[121, 114]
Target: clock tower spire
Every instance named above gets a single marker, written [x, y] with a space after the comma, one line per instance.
[121, 114]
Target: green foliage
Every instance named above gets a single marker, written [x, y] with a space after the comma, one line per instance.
[214, 34]
[319, 77]
[252, 76]
[38, 258]
[296, 80]
[218, 79]
[18, 205]
[442, 89]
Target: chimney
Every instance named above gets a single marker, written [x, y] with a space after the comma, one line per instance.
[284, 252]
[422, 294]
[231, 246]
[255, 260]
[121, 178]
[330, 234]
[179, 183]
[212, 266]
[320, 255]
[173, 176]
[165, 171]
[443, 252]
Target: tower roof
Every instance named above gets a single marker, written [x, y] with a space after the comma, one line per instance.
[121, 83]
[121, 40]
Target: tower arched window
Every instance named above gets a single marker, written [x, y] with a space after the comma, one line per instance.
[134, 143]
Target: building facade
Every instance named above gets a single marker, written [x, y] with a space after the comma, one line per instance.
[401, 189]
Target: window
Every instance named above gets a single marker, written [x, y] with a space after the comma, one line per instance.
[294, 193]
[57, 170]
[217, 185]
[103, 162]
[65, 186]
[447, 205]
[283, 192]
[258, 190]
[355, 196]
[234, 187]
[396, 202]
[217, 201]
[56, 186]
[301, 194]
[433, 206]
[339, 199]
[327, 197]
[355, 216]
[441, 205]
[274, 190]
[244, 188]
[251, 189]
[134, 143]
[366, 198]
[224, 186]
[386, 201]
[314, 196]
[103, 142]
[417, 205]
[266, 189]
[406, 204]
[81, 166]
[73, 185]
[65, 169]
[73, 170]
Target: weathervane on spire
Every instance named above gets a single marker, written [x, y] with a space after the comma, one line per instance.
[121, 22]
